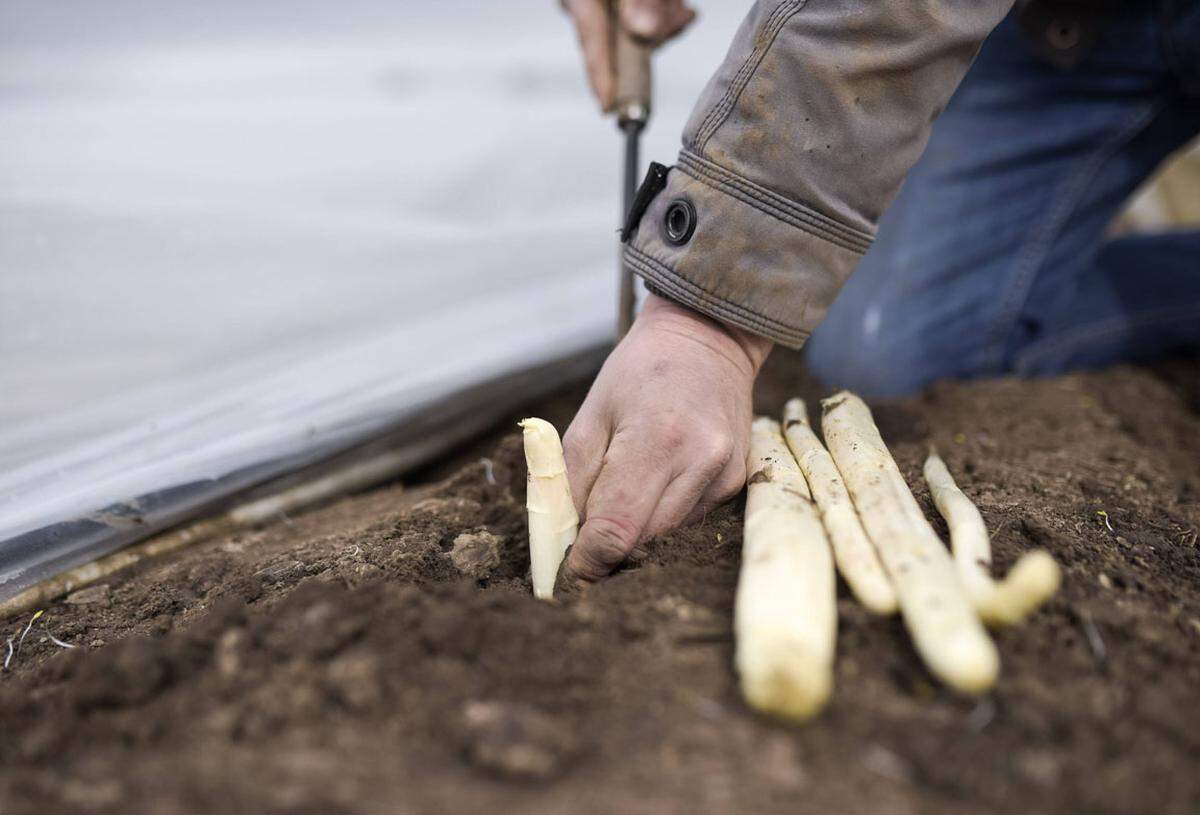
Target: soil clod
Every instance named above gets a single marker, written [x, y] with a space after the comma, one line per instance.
[516, 741]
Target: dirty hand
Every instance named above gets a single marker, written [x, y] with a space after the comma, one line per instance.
[651, 21]
[663, 434]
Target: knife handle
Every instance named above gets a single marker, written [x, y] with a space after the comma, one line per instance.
[632, 60]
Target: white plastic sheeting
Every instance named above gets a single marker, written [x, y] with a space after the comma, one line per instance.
[231, 232]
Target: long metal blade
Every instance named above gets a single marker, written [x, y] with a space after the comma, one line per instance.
[627, 301]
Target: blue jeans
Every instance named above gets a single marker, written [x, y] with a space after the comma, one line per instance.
[993, 258]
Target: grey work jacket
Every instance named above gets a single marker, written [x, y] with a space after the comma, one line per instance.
[797, 146]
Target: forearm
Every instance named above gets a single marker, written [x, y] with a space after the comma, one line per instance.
[796, 148]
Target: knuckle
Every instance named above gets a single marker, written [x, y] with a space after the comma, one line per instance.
[720, 450]
[581, 441]
[712, 456]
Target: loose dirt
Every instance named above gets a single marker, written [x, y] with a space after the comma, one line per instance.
[384, 655]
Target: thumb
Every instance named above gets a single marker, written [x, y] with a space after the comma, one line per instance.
[620, 506]
[603, 545]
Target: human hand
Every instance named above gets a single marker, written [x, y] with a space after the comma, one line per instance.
[662, 436]
[650, 21]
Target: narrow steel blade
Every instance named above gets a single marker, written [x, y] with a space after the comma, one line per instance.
[626, 301]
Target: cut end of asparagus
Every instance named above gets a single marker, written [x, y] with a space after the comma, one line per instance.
[792, 687]
[878, 598]
[831, 402]
[794, 412]
[765, 424]
[966, 660]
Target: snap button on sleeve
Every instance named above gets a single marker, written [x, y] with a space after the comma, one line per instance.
[679, 222]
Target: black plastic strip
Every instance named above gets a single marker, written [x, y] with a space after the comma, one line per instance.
[652, 185]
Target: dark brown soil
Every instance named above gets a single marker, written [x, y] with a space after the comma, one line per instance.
[339, 662]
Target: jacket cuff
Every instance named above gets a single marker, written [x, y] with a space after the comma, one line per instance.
[750, 258]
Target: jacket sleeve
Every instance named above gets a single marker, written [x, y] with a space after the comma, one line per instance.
[797, 146]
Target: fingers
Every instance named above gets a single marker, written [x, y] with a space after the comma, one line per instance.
[655, 21]
[594, 28]
[692, 487]
[635, 496]
[726, 485]
[619, 507]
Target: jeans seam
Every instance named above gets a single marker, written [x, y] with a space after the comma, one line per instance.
[1089, 334]
[1032, 256]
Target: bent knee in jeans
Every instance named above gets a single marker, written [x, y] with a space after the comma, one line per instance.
[864, 351]
[884, 336]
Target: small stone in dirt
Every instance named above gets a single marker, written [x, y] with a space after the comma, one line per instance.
[91, 794]
[476, 554]
[363, 572]
[89, 596]
[883, 762]
[1040, 766]
[779, 763]
[228, 653]
[329, 629]
[515, 741]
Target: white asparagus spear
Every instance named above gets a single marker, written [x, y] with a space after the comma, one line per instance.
[1031, 582]
[785, 612]
[856, 557]
[553, 521]
[937, 612]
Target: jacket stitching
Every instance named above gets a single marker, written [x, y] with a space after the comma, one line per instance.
[746, 62]
[720, 309]
[740, 77]
[661, 275]
[849, 232]
[767, 208]
[770, 30]
[786, 210]
[674, 279]
[712, 111]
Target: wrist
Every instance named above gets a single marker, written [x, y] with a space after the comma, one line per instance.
[736, 343]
